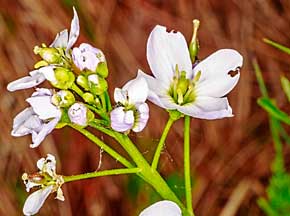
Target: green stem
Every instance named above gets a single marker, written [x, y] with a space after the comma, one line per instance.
[103, 146]
[187, 179]
[75, 88]
[104, 103]
[99, 112]
[107, 96]
[161, 143]
[101, 173]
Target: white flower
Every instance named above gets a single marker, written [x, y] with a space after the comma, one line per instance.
[65, 40]
[162, 208]
[198, 92]
[131, 112]
[87, 57]
[78, 114]
[39, 119]
[38, 76]
[46, 180]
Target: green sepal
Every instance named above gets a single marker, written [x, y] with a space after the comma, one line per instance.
[102, 69]
[175, 114]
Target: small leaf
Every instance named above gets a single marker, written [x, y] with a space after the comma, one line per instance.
[286, 86]
[277, 45]
[274, 111]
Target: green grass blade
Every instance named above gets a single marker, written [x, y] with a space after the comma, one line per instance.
[277, 45]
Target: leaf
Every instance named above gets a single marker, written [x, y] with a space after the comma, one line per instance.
[260, 79]
[277, 45]
[286, 86]
[274, 111]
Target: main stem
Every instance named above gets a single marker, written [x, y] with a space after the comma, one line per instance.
[187, 179]
[100, 173]
[161, 143]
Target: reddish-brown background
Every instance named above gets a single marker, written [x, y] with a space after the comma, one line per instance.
[230, 158]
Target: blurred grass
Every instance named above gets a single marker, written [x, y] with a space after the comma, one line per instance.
[226, 154]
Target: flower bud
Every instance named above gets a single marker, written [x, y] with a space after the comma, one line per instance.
[83, 82]
[63, 98]
[102, 69]
[89, 98]
[79, 114]
[194, 45]
[64, 78]
[97, 85]
[40, 64]
[48, 54]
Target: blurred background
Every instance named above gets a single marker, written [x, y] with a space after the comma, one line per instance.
[230, 158]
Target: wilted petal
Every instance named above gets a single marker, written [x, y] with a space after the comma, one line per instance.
[74, 31]
[137, 90]
[165, 50]
[162, 208]
[142, 119]
[121, 120]
[215, 79]
[59, 194]
[60, 40]
[37, 138]
[48, 163]
[26, 82]
[35, 200]
[208, 108]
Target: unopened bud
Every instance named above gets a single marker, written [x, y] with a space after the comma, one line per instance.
[97, 85]
[102, 69]
[64, 78]
[48, 54]
[83, 82]
[89, 98]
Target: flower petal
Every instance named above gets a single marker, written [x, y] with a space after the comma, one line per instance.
[60, 40]
[74, 31]
[156, 88]
[26, 82]
[137, 90]
[120, 96]
[35, 200]
[215, 79]
[143, 116]
[46, 129]
[162, 208]
[121, 120]
[207, 108]
[165, 50]
[43, 107]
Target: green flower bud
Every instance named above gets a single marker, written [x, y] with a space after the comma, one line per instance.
[64, 78]
[102, 69]
[40, 64]
[83, 82]
[49, 54]
[97, 85]
[63, 98]
[194, 45]
[89, 98]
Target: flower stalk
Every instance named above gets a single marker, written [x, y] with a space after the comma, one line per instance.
[101, 173]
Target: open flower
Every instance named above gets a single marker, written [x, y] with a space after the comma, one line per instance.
[198, 92]
[38, 76]
[131, 112]
[39, 119]
[162, 208]
[47, 182]
[87, 57]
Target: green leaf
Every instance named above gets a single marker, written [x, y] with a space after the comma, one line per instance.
[277, 45]
[274, 111]
[260, 79]
[286, 86]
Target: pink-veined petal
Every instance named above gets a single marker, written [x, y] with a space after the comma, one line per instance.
[121, 120]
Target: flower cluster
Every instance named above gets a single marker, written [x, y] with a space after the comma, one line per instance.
[79, 97]
[47, 182]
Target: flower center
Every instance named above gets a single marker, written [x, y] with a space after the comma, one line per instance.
[181, 89]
